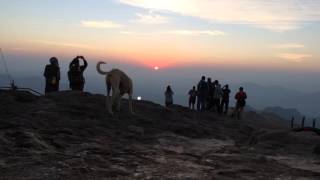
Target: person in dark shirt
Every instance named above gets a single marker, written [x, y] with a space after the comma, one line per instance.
[225, 99]
[75, 73]
[202, 90]
[210, 94]
[52, 75]
[192, 97]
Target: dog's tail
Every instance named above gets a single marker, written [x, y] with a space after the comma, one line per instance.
[99, 69]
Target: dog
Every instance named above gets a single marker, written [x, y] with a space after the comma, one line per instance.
[120, 83]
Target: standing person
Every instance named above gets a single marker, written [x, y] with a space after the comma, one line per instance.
[240, 97]
[52, 75]
[75, 73]
[202, 94]
[168, 96]
[210, 94]
[217, 97]
[225, 99]
[192, 97]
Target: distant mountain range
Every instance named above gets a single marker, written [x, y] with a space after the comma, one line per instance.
[286, 114]
[261, 97]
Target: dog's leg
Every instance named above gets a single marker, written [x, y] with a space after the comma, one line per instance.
[115, 91]
[108, 105]
[108, 88]
[118, 102]
[115, 99]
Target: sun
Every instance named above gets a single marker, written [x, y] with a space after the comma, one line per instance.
[156, 68]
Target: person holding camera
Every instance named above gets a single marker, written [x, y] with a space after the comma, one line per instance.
[75, 73]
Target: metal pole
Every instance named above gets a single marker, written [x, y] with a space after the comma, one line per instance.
[302, 123]
[292, 122]
[314, 123]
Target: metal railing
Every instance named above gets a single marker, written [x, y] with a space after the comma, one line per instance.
[303, 127]
[21, 89]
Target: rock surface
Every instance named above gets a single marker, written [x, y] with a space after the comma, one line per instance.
[69, 135]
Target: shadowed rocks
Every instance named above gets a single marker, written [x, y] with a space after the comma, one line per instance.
[69, 135]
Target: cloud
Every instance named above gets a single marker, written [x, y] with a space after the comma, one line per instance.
[274, 15]
[62, 44]
[127, 32]
[289, 46]
[101, 24]
[151, 18]
[198, 32]
[294, 57]
[277, 26]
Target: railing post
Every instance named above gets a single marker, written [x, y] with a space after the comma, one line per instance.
[302, 123]
[292, 122]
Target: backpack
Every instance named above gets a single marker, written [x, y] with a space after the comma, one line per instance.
[241, 96]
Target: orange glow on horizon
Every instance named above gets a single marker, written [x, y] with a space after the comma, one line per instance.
[151, 58]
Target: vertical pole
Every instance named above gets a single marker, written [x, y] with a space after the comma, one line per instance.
[302, 123]
[292, 122]
[314, 123]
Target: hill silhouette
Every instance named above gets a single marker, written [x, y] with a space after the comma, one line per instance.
[69, 135]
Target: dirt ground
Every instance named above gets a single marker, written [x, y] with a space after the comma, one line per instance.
[69, 135]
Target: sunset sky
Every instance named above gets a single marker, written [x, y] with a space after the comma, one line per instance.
[273, 34]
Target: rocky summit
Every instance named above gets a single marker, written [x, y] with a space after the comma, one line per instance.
[69, 135]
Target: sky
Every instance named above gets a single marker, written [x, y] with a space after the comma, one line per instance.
[272, 42]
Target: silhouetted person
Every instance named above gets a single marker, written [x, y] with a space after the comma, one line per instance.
[192, 97]
[168, 96]
[217, 95]
[52, 75]
[225, 99]
[240, 97]
[75, 73]
[202, 90]
[210, 94]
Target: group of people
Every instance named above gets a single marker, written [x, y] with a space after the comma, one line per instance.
[75, 74]
[210, 96]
